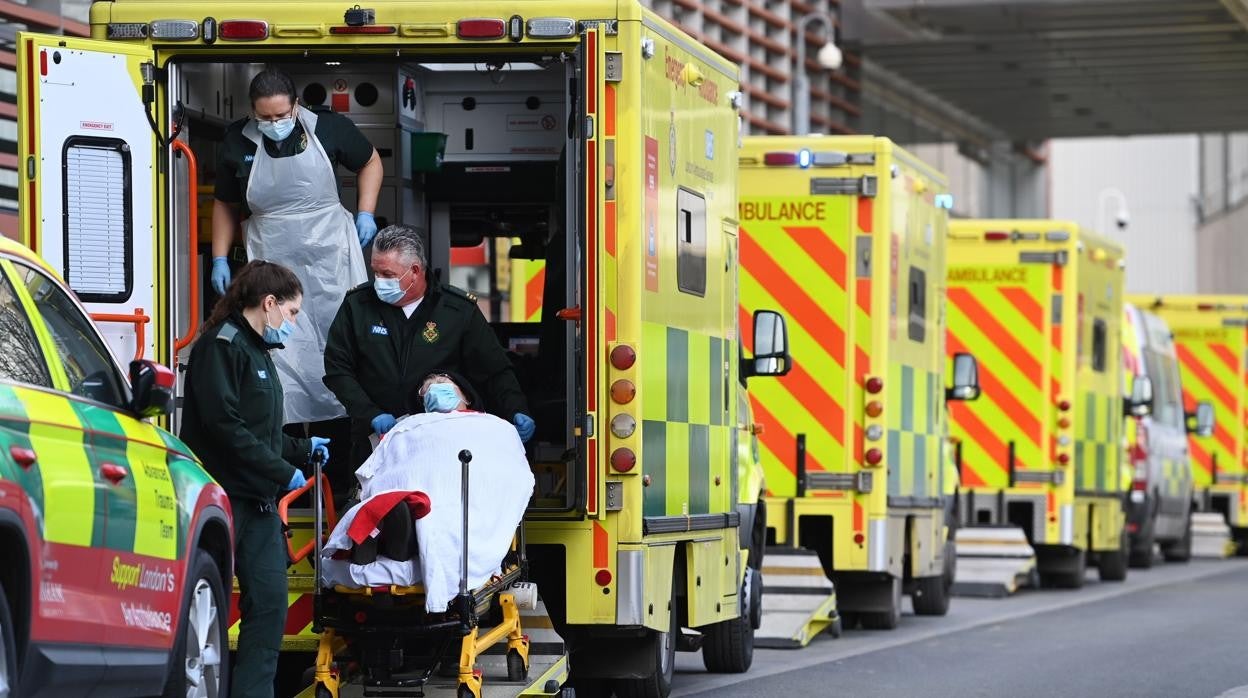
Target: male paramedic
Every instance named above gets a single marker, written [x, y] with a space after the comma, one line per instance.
[388, 336]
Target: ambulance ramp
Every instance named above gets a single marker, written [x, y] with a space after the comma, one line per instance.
[1211, 537]
[992, 562]
[799, 601]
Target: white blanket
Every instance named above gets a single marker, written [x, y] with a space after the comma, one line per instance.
[421, 453]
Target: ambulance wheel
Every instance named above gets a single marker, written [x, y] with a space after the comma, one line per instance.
[1182, 550]
[728, 646]
[1112, 566]
[756, 598]
[658, 684]
[516, 670]
[8, 648]
[931, 596]
[849, 620]
[1070, 576]
[199, 664]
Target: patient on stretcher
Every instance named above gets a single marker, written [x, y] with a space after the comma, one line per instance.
[407, 528]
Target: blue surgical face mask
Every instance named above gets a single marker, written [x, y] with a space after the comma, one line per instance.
[441, 397]
[279, 334]
[390, 290]
[277, 131]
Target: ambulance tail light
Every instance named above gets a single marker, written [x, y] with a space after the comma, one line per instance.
[551, 28]
[623, 357]
[1206, 306]
[243, 30]
[623, 391]
[368, 29]
[623, 460]
[874, 385]
[1064, 405]
[1063, 459]
[175, 29]
[996, 236]
[780, 159]
[481, 29]
[1139, 449]
[873, 456]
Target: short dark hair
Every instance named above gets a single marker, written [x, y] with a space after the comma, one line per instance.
[271, 82]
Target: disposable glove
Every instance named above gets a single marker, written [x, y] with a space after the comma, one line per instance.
[320, 445]
[524, 425]
[365, 227]
[220, 275]
[297, 480]
[383, 423]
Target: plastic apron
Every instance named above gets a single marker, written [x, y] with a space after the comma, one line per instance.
[297, 221]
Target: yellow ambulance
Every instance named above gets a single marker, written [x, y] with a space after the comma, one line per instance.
[597, 133]
[1211, 341]
[846, 236]
[1039, 303]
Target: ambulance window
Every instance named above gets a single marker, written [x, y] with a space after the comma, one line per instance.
[88, 364]
[98, 220]
[1099, 341]
[691, 243]
[918, 305]
[20, 358]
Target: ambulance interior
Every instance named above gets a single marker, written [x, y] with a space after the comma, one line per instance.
[474, 156]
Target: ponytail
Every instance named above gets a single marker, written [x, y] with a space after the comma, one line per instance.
[253, 283]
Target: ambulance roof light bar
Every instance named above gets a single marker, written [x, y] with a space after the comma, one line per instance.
[481, 28]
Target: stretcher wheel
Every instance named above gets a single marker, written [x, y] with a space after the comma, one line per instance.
[516, 670]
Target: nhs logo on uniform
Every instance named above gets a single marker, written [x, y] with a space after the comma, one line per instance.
[380, 329]
[264, 375]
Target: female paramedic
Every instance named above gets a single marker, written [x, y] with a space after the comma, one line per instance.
[287, 194]
[232, 419]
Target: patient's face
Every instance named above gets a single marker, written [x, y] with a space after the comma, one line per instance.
[433, 380]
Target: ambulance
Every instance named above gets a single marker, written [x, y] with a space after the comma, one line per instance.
[1211, 342]
[846, 236]
[1040, 303]
[598, 134]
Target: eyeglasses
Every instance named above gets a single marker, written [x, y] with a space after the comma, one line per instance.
[288, 115]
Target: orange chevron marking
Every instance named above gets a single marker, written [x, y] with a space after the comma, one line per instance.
[1001, 395]
[1224, 353]
[996, 333]
[1026, 304]
[797, 304]
[822, 249]
[779, 441]
[533, 290]
[1201, 372]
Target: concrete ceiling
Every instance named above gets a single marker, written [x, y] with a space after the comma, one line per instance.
[1066, 68]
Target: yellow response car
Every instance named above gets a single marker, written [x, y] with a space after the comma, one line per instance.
[115, 544]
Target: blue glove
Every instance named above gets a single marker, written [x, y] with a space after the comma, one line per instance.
[297, 480]
[524, 425]
[321, 445]
[365, 227]
[220, 275]
[383, 423]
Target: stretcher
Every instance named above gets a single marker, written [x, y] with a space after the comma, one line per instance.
[383, 641]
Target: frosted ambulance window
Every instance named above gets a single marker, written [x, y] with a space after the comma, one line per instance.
[691, 242]
[1100, 337]
[98, 219]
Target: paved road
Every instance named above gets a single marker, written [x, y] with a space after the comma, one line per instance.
[1174, 631]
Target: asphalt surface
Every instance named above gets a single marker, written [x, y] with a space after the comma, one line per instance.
[1173, 631]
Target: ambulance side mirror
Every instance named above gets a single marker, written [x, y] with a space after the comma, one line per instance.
[771, 346]
[152, 386]
[1140, 404]
[1201, 422]
[965, 379]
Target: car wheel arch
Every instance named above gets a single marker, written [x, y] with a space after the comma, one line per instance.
[16, 573]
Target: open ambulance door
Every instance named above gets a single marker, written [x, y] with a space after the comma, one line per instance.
[594, 142]
[87, 168]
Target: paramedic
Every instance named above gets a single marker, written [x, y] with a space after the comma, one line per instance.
[276, 170]
[387, 338]
[232, 420]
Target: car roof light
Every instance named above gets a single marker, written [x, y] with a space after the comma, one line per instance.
[1057, 236]
[243, 30]
[174, 29]
[551, 28]
[804, 158]
[830, 159]
[481, 29]
[997, 236]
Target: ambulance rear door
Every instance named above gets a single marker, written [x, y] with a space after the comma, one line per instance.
[87, 178]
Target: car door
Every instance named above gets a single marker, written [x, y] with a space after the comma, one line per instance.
[45, 450]
[142, 573]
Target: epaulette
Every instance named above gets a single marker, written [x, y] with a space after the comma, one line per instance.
[459, 293]
[227, 333]
[361, 287]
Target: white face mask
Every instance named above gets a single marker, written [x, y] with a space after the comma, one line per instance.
[277, 131]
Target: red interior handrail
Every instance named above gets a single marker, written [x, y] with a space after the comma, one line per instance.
[331, 516]
[192, 325]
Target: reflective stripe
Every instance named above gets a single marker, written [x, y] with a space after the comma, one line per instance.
[64, 468]
[156, 513]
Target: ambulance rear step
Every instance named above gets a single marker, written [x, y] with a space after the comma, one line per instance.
[799, 601]
[993, 562]
[1211, 537]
